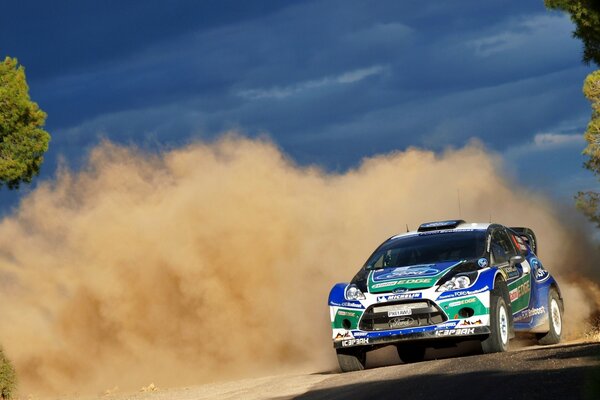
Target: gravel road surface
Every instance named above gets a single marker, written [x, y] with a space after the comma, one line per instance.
[570, 371]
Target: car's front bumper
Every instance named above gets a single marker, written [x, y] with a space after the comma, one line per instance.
[361, 338]
[445, 318]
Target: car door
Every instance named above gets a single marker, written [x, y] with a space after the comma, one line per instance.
[518, 276]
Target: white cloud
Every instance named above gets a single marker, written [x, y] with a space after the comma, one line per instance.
[547, 143]
[341, 79]
[556, 139]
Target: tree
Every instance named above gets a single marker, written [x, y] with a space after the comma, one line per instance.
[585, 14]
[589, 202]
[23, 142]
[8, 377]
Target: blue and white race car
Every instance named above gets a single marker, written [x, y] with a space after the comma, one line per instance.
[449, 281]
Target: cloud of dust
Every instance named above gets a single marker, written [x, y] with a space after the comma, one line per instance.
[214, 261]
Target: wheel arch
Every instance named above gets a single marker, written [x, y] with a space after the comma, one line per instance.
[554, 285]
[501, 285]
[336, 294]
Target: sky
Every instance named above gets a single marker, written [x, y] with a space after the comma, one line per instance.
[330, 82]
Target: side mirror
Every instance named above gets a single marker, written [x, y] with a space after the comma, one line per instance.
[514, 260]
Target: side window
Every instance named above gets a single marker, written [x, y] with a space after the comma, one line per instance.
[501, 248]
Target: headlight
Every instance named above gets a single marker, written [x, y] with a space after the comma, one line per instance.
[458, 282]
[354, 293]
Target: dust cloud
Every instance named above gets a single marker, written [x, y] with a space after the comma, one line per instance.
[214, 261]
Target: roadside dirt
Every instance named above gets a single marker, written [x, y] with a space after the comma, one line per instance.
[568, 371]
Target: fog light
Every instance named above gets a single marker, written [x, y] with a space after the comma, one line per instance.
[466, 312]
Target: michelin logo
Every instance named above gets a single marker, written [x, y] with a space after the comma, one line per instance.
[403, 296]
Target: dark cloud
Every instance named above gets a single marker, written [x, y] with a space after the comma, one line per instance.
[330, 81]
[54, 38]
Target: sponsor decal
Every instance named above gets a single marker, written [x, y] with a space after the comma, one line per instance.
[482, 262]
[470, 323]
[511, 271]
[461, 293]
[402, 282]
[355, 342]
[525, 314]
[401, 322]
[354, 305]
[461, 302]
[399, 297]
[446, 325]
[401, 272]
[359, 334]
[455, 332]
[519, 291]
[408, 281]
[341, 336]
[539, 273]
[400, 290]
[347, 313]
[384, 284]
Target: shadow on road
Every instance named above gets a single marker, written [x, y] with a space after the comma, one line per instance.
[570, 372]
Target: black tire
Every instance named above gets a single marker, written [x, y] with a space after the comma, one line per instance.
[555, 318]
[351, 359]
[500, 323]
[410, 353]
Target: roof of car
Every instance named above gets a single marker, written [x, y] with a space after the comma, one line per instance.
[462, 226]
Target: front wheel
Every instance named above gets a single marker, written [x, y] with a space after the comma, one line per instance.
[555, 313]
[499, 325]
[351, 359]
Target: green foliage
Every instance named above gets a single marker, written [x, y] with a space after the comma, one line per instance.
[23, 142]
[8, 378]
[591, 90]
[589, 202]
[585, 14]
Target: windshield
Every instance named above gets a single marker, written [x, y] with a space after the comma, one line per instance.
[429, 248]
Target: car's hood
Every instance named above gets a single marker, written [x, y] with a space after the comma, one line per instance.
[409, 277]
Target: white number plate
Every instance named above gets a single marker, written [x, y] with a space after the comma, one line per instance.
[399, 313]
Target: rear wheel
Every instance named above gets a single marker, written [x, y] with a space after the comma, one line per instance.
[555, 313]
[410, 353]
[351, 359]
[499, 324]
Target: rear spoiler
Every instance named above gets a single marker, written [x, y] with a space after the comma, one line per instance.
[528, 236]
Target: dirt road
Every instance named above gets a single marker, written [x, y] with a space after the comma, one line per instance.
[569, 371]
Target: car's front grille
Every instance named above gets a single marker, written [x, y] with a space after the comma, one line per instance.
[401, 314]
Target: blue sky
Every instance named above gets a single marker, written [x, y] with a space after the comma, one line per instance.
[330, 81]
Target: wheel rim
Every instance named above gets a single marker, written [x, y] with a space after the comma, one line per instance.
[503, 324]
[555, 316]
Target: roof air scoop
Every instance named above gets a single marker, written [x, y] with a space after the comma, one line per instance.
[439, 225]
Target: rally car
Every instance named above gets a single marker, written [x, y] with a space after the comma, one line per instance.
[447, 282]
